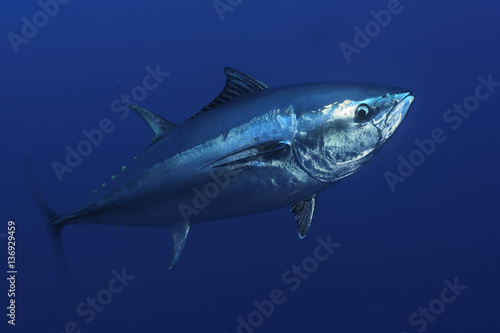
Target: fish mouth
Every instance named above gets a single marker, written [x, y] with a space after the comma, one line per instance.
[397, 113]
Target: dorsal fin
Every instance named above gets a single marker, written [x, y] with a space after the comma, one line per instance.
[237, 84]
[159, 125]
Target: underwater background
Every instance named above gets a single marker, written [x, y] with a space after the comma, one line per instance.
[416, 231]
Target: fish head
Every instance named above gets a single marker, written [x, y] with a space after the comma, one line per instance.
[344, 128]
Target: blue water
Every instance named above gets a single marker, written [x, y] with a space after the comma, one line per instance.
[397, 247]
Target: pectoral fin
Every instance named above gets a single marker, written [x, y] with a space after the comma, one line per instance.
[179, 236]
[304, 211]
[262, 153]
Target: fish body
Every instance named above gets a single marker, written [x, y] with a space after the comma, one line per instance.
[253, 149]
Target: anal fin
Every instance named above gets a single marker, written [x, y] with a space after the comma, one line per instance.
[179, 236]
[304, 211]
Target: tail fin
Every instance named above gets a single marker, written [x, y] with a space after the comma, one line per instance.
[51, 217]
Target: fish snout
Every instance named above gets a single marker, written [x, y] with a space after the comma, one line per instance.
[397, 113]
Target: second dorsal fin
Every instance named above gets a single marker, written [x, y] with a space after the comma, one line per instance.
[237, 84]
[159, 125]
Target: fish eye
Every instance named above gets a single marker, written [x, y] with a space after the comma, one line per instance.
[362, 112]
